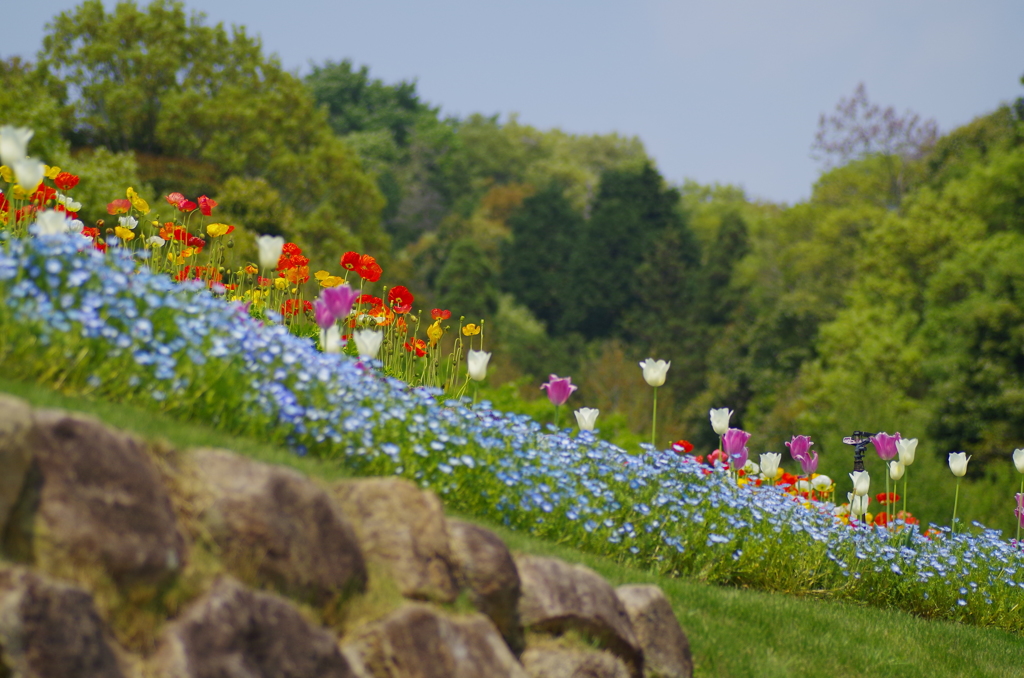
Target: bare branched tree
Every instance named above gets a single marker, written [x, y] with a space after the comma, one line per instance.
[859, 128]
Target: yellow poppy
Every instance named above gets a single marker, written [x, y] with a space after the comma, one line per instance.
[471, 330]
[19, 192]
[124, 233]
[217, 230]
[6, 173]
[50, 172]
[137, 202]
[435, 332]
[280, 283]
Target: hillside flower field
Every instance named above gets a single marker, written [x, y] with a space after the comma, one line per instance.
[99, 323]
[113, 322]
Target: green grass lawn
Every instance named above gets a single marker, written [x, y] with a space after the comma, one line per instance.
[732, 632]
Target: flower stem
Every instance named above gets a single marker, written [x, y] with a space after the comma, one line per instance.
[956, 501]
[904, 494]
[556, 417]
[1020, 518]
[654, 416]
[888, 509]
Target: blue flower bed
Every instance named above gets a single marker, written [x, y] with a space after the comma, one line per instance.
[105, 324]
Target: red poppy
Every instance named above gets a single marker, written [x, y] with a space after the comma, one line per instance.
[101, 246]
[382, 311]
[43, 194]
[264, 282]
[295, 274]
[292, 307]
[3, 202]
[368, 268]
[90, 232]
[290, 249]
[174, 198]
[206, 205]
[881, 498]
[65, 181]
[682, 447]
[370, 299]
[440, 314]
[119, 206]
[881, 518]
[350, 261]
[400, 299]
[187, 206]
[417, 345]
[401, 326]
[906, 517]
[718, 455]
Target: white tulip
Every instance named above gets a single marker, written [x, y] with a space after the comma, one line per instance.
[330, 340]
[1018, 459]
[367, 342]
[52, 223]
[907, 448]
[586, 417]
[476, 363]
[821, 483]
[858, 503]
[28, 172]
[655, 371]
[958, 463]
[769, 463]
[896, 469]
[720, 420]
[861, 482]
[270, 247]
[14, 144]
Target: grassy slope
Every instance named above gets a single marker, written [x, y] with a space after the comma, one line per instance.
[732, 632]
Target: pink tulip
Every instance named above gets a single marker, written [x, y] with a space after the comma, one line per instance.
[800, 449]
[1019, 511]
[885, 445]
[559, 389]
[734, 444]
[334, 303]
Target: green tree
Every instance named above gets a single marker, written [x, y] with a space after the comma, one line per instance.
[545, 230]
[30, 98]
[467, 284]
[632, 210]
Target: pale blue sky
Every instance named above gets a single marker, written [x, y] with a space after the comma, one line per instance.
[723, 91]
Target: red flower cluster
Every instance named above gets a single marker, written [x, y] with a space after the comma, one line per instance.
[42, 195]
[365, 266]
[181, 202]
[292, 266]
[65, 181]
[440, 314]
[119, 206]
[682, 447]
[417, 345]
[210, 274]
[883, 498]
[291, 307]
[170, 231]
[400, 299]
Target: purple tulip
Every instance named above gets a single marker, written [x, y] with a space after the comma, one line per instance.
[800, 449]
[334, 303]
[340, 299]
[885, 445]
[734, 444]
[559, 389]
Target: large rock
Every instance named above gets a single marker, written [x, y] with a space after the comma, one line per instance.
[52, 630]
[233, 632]
[278, 527]
[91, 495]
[557, 597]
[402, 530]
[418, 641]
[572, 663]
[665, 647]
[485, 566]
[15, 454]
